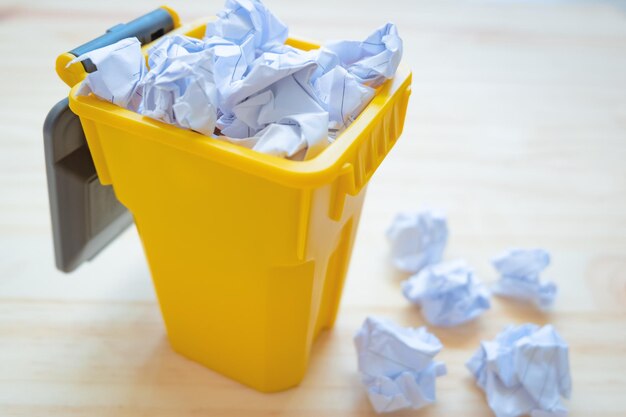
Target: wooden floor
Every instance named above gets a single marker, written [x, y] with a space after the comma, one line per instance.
[516, 127]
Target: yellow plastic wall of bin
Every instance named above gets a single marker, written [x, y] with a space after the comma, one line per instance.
[248, 252]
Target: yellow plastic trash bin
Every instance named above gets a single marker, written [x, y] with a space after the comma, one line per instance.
[248, 252]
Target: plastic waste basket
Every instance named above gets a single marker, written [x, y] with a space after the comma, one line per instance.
[248, 252]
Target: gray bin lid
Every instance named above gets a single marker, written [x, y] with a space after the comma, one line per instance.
[86, 215]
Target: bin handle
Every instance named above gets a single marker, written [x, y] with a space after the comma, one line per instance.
[146, 28]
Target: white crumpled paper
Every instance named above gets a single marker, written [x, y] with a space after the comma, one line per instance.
[524, 370]
[417, 239]
[283, 114]
[373, 60]
[448, 293]
[264, 71]
[519, 277]
[397, 364]
[179, 87]
[343, 96]
[241, 81]
[348, 72]
[243, 20]
[120, 68]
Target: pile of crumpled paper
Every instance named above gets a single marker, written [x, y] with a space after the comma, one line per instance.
[523, 371]
[242, 84]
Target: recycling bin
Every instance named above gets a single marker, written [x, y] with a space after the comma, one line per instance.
[248, 252]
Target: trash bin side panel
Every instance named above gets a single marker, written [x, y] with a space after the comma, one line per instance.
[222, 293]
[367, 152]
[339, 262]
[222, 246]
[331, 239]
[336, 208]
[289, 324]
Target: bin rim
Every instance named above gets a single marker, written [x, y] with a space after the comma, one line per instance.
[320, 170]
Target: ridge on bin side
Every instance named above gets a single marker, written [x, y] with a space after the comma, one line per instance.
[248, 252]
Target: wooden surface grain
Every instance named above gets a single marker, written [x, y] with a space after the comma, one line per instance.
[516, 127]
